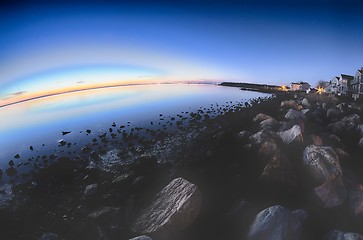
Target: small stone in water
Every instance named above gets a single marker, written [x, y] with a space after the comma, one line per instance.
[17, 156]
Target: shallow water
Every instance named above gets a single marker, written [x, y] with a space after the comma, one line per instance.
[39, 123]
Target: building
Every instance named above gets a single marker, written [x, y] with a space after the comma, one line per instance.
[357, 84]
[344, 88]
[332, 87]
[299, 86]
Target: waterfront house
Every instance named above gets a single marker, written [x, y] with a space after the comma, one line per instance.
[332, 87]
[357, 84]
[344, 84]
[299, 86]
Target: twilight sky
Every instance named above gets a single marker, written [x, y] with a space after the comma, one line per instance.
[51, 48]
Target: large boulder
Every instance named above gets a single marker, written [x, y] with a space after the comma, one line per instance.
[292, 135]
[269, 124]
[174, 208]
[323, 169]
[346, 125]
[305, 103]
[275, 223]
[321, 164]
[339, 235]
[294, 115]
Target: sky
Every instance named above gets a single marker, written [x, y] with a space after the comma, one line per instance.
[49, 47]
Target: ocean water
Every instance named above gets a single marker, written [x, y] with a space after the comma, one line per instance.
[33, 129]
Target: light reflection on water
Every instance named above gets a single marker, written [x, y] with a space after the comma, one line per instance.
[41, 121]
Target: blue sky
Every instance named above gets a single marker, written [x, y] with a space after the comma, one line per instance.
[273, 42]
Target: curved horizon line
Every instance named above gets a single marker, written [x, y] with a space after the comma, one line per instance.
[94, 88]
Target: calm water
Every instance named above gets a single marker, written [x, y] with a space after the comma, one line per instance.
[39, 123]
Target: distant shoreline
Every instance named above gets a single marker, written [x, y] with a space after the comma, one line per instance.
[95, 88]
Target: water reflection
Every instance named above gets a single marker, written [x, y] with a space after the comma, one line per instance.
[39, 123]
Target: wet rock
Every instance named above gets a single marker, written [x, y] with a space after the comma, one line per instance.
[300, 214]
[62, 142]
[49, 236]
[321, 164]
[261, 117]
[94, 156]
[11, 171]
[273, 223]
[269, 124]
[66, 132]
[174, 208]
[90, 190]
[11, 163]
[355, 198]
[17, 156]
[88, 131]
[333, 113]
[293, 135]
[339, 235]
[294, 115]
[346, 125]
[31, 148]
[143, 237]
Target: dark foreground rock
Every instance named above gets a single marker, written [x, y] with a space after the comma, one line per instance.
[174, 208]
[275, 223]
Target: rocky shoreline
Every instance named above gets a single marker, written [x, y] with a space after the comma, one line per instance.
[288, 167]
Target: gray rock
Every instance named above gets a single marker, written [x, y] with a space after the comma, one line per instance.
[263, 136]
[333, 113]
[49, 236]
[261, 117]
[143, 237]
[346, 125]
[300, 214]
[339, 235]
[331, 194]
[275, 223]
[174, 208]
[321, 164]
[269, 124]
[291, 104]
[294, 114]
[305, 103]
[294, 134]
[355, 197]
[90, 190]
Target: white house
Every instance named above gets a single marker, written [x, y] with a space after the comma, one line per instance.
[332, 87]
[357, 84]
[344, 84]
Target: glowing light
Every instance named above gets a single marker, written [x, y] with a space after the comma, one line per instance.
[320, 90]
[283, 88]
